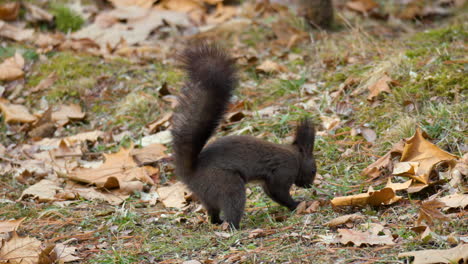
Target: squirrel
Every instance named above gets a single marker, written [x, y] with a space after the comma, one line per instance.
[317, 13]
[217, 173]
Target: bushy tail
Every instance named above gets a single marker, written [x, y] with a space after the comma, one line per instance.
[202, 102]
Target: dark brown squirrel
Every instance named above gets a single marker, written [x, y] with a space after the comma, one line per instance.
[218, 173]
[318, 13]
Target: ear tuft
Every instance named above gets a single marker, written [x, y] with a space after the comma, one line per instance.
[305, 136]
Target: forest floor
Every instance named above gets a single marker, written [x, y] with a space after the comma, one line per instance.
[368, 83]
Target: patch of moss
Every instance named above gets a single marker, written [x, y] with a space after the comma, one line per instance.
[446, 34]
[66, 19]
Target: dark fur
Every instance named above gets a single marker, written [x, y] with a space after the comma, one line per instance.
[318, 13]
[217, 174]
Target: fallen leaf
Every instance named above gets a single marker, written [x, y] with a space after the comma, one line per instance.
[418, 149]
[223, 234]
[15, 33]
[36, 14]
[425, 233]
[383, 166]
[163, 137]
[10, 225]
[398, 186]
[344, 219]
[65, 253]
[45, 83]
[108, 30]
[62, 114]
[330, 122]
[457, 254]
[155, 126]
[405, 168]
[381, 85]
[149, 154]
[73, 190]
[369, 134]
[43, 191]
[127, 3]
[269, 66]
[9, 10]
[385, 196]
[14, 113]
[173, 195]
[307, 207]
[12, 68]
[362, 6]
[20, 250]
[457, 200]
[429, 210]
[358, 238]
[117, 169]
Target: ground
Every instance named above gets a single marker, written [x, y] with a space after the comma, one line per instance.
[426, 61]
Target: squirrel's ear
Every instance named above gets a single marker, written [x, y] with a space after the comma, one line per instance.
[305, 136]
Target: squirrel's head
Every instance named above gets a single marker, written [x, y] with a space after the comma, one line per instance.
[304, 143]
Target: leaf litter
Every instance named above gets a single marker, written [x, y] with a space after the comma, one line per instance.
[62, 169]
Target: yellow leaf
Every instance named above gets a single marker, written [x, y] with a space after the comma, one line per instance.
[385, 196]
[418, 149]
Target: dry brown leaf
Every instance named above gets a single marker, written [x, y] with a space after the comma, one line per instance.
[344, 219]
[222, 14]
[20, 250]
[9, 10]
[10, 225]
[149, 154]
[398, 186]
[269, 66]
[13, 113]
[43, 191]
[155, 126]
[15, 33]
[117, 169]
[12, 68]
[63, 114]
[457, 254]
[127, 3]
[381, 85]
[45, 83]
[358, 238]
[307, 207]
[36, 14]
[330, 122]
[429, 211]
[114, 197]
[362, 6]
[418, 149]
[385, 196]
[173, 195]
[383, 165]
[186, 6]
[65, 253]
[457, 200]
[108, 30]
